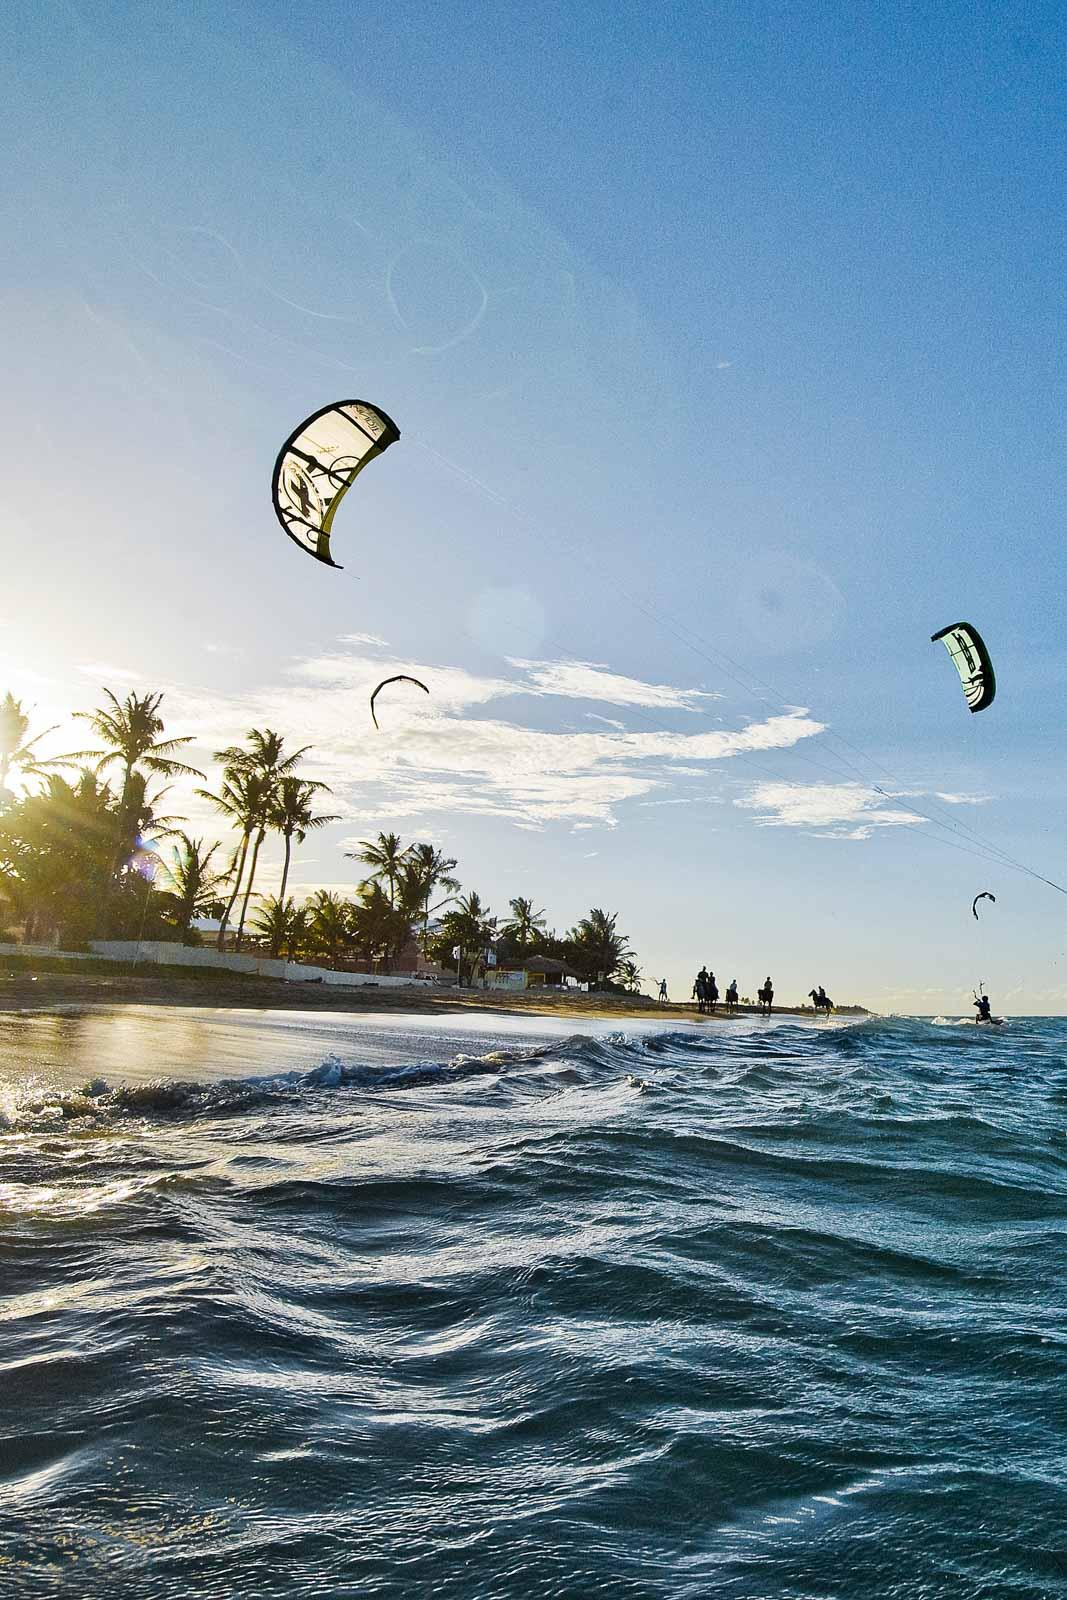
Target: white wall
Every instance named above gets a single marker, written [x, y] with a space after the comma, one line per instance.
[157, 952]
[160, 952]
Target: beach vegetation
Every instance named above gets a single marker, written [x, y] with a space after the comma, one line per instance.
[80, 858]
[525, 926]
[17, 752]
[282, 926]
[294, 817]
[195, 885]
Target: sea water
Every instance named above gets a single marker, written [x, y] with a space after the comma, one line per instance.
[314, 1306]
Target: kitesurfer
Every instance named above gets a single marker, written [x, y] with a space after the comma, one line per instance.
[984, 1004]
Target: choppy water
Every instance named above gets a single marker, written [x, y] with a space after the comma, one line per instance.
[387, 1309]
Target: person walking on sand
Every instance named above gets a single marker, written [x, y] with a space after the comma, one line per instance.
[663, 991]
[731, 997]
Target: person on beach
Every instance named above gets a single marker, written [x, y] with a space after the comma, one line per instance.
[700, 989]
[731, 997]
[821, 1000]
[766, 996]
[663, 991]
[713, 993]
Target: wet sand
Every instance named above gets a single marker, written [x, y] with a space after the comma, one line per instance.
[46, 991]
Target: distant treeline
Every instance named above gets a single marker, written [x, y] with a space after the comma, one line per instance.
[88, 850]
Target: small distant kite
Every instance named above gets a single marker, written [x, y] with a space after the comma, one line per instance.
[971, 660]
[401, 677]
[985, 895]
[318, 464]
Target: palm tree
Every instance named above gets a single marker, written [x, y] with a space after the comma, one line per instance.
[470, 925]
[379, 929]
[525, 925]
[194, 882]
[243, 800]
[281, 924]
[632, 976]
[599, 945]
[386, 855]
[427, 869]
[15, 749]
[329, 930]
[263, 759]
[55, 847]
[293, 817]
[129, 731]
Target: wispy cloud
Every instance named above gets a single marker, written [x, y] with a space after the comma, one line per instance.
[365, 638]
[446, 755]
[592, 680]
[834, 810]
[105, 672]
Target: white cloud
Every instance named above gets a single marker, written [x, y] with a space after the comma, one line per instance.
[591, 680]
[365, 638]
[105, 673]
[836, 810]
[963, 799]
[433, 756]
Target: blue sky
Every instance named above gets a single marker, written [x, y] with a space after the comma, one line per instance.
[727, 348]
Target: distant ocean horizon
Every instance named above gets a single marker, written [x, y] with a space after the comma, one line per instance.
[490, 1307]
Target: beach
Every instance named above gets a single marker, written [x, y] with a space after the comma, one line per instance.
[42, 990]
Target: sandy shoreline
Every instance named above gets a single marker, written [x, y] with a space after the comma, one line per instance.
[44, 991]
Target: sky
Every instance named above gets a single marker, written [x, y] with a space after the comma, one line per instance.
[727, 348]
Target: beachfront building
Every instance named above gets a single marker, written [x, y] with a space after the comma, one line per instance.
[533, 972]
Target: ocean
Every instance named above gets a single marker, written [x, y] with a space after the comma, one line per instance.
[324, 1306]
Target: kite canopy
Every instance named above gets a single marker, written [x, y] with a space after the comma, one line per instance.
[400, 677]
[985, 895]
[971, 660]
[318, 464]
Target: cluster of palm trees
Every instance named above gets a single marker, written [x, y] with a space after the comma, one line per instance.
[74, 861]
[405, 886]
[261, 793]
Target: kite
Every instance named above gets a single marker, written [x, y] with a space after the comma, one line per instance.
[971, 660]
[401, 677]
[318, 464]
[985, 895]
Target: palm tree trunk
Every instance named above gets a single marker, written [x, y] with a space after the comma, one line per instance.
[260, 836]
[116, 855]
[236, 891]
[276, 943]
[285, 868]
